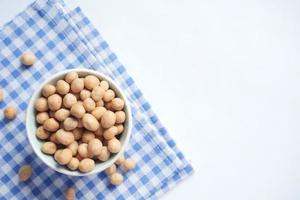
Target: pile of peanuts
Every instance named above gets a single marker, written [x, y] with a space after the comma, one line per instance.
[80, 119]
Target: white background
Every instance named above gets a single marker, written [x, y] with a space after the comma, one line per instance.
[224, 77]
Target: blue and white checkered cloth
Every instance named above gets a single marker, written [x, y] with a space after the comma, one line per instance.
[66, 39]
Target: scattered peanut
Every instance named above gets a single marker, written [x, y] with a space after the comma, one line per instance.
[28, 59]
[110, 170]
[128, 164]
[25, 173]
[10, 112]
[116, 179]
[1, 95]
[120, 160]
[70, 194]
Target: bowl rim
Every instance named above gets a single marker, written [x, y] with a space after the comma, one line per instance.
[38, 151]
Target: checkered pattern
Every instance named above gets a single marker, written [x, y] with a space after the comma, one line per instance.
[64, 39]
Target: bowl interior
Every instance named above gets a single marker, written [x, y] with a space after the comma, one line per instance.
[36, 144]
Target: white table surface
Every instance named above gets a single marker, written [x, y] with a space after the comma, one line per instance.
[224, 77]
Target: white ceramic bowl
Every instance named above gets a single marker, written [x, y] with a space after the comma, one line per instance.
[36, 144]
